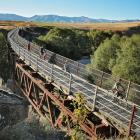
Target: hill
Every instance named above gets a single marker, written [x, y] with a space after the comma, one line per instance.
[58, 19]
[64, 19]
[12, 17]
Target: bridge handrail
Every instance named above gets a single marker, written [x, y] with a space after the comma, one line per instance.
[21, 39]
[51, 52]
[89, 83]
[78, 68]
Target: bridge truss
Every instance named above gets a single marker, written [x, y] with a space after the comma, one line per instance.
[46, 103]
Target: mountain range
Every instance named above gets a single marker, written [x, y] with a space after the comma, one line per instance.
[57, 18]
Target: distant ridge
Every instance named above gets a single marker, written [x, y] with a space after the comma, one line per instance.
[57, 18]
[12, 17]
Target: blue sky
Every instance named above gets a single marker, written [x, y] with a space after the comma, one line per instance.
[107, 9]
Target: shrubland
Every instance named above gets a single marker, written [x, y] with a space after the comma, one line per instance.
[119, 56]
[73, 43]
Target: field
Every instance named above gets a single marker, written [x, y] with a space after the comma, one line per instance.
[100, 26]
[13, 24]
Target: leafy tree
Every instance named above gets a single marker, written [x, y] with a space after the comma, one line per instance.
[97, 37]
[4, 65]
[82, 41]
[104, 57]
[68, 42]
[128, 61]
[73, 43]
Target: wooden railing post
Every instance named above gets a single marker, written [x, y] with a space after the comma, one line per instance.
[94, 99]
[29, 58]
[128, 89]
[131, 119]
[77, 68]
[70, 80]
[19, 51]
[101, 82]
[63, 61]
[24, 54]
[51, 72]
[36, 63]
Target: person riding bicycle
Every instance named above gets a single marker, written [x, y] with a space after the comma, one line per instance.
[42, 52]
[66, 66]
[118, 89]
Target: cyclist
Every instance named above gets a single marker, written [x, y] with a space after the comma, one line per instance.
[66, 66]
[118, 89]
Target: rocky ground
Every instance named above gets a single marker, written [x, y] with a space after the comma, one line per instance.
[18, 121]
[12, 108]
[32, 128]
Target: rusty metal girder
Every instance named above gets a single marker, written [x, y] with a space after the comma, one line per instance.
[38, 94]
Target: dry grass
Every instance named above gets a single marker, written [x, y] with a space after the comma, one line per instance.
[100, 26]
[13, 24]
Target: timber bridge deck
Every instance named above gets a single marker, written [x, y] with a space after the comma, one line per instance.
[124, 115]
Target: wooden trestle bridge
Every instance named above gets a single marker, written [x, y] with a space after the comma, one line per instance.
[36, 78]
